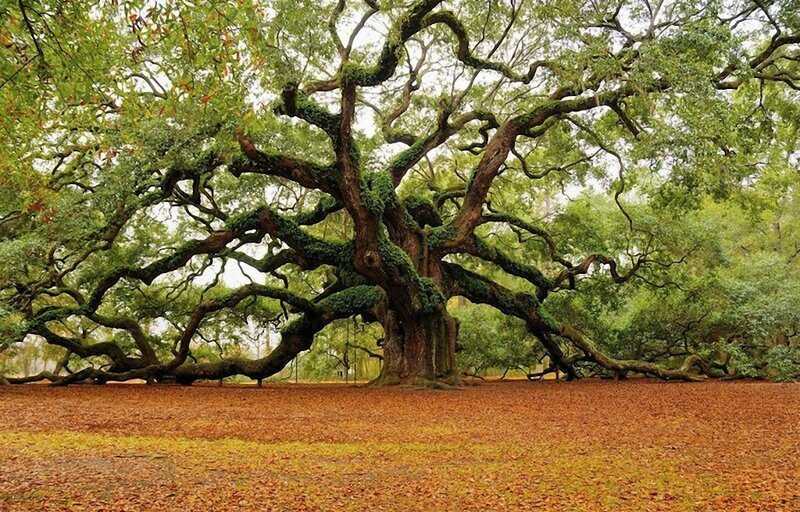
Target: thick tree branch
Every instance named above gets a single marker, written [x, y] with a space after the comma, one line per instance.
[306, 174]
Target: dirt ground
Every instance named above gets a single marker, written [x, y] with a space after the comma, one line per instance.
[590, 445]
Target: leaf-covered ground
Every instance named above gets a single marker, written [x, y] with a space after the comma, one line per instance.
[590, 445]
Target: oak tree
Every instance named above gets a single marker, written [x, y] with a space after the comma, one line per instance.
[371, 158]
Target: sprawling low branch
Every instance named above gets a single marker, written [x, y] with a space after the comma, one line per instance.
[296, 337]
[480, 290]
[526, 307]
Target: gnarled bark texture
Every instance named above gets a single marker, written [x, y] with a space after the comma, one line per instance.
[421, 351]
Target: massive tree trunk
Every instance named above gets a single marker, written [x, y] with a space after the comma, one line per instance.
[419, 352]
[419, 333]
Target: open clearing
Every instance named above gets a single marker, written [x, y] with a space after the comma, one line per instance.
[590, 445]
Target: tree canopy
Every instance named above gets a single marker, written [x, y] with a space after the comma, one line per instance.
[620, 177]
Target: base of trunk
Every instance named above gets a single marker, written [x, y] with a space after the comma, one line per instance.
[420, 353]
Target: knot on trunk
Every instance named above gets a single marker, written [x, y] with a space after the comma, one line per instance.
[371, 259]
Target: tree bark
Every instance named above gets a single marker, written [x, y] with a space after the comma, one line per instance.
[420, 353]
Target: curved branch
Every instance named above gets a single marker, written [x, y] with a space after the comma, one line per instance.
[465, 55]
[408, 158]
[304, 173]
[480, 249]
[524, 306]
[478, 289]
[401, 31]
[587, 262]
[632, 365]
[552, 250]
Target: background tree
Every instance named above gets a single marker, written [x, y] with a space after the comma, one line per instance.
[488, 340]
[171, 171]
[732, 298]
